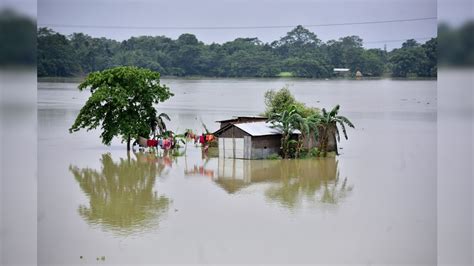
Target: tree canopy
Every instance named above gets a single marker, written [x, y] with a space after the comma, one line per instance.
[277, 101]
[414, 59]
[287, 114]
[300, 53]
[122, 103]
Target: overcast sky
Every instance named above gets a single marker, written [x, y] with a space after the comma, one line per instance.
[211, 13]
[204, 13]
[236, 13]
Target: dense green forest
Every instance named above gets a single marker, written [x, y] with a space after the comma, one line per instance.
[299, 53]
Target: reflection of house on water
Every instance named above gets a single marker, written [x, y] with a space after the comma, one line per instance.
[121, 195]
[290, 181]
[202, 165]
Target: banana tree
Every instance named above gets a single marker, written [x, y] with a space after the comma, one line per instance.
[328, 123]
[286, 121]
[159, 124]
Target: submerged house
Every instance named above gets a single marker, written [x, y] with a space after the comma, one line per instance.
[255, 138]
[251, 140]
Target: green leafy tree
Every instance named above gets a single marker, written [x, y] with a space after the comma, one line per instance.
[347, 52]
[56, 56]
[299, 52]
[335, 54]
[187, 53]
[122, 103]
[410, 60]
[431, 51]
[411, 43]
[373, 62]
[297, 42]
[281, 100]
[306, 68]
[93, 54]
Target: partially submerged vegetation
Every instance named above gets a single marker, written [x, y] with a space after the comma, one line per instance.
[122, 104]
[278, 101]
[314, 125]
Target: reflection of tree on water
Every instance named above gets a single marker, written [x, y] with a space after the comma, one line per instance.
[313, 180]
[121, 195]
[291, 181]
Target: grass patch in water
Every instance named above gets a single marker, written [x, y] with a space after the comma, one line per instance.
[285, 75]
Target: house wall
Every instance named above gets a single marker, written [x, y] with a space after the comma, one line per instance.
[233, 132]
[223, 124]
[264, 146]
[248, 147]
[231, 148]
[231, 143]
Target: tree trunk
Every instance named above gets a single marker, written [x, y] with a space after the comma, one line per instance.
[324, 142]
[282, 144]
[128, 143]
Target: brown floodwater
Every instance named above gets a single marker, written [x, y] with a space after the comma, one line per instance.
[375, 203]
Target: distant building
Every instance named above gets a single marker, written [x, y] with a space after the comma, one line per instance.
[341, 72]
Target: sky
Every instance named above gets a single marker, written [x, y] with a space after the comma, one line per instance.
[236, 13]
[68, 16]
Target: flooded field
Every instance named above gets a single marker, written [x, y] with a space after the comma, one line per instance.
[375, 203]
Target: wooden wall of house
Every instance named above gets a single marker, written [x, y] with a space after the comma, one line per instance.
[233, 132]
[264, 146]
[223, 124]
[266, 141]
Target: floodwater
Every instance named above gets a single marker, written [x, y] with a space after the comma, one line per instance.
[375, 203]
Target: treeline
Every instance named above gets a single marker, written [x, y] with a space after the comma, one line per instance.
[300, 53]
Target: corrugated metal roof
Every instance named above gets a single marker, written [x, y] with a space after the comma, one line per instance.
[260, 129]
